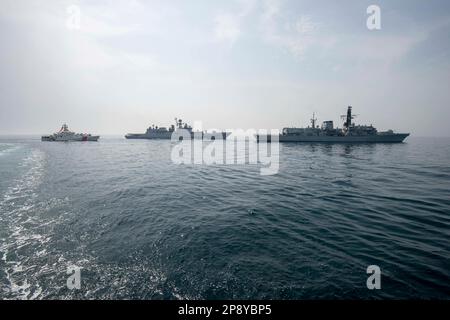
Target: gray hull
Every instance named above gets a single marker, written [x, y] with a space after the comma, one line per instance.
[380, 138]
[168, 136]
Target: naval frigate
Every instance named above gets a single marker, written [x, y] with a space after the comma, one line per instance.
[349, 133]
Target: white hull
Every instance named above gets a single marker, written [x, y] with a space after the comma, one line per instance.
[77, 139]
[65, 135]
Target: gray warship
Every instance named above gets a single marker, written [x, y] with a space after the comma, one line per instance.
[155, 132]
[350, 133]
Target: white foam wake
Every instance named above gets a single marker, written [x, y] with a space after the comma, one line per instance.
[17, 202]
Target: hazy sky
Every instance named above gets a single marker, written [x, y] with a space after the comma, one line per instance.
[231, 64]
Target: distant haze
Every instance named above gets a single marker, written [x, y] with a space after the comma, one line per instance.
[124, 65]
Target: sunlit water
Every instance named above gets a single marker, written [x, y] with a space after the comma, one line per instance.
[141, 227]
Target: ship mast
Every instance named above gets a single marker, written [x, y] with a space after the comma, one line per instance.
[348, 118]
[313, 120]
[64, 128]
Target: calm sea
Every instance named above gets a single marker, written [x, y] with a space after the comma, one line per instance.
[141, 227]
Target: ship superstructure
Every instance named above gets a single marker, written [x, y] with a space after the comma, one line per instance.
[155, 132]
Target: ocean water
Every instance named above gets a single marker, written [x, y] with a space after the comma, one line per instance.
[141, 227]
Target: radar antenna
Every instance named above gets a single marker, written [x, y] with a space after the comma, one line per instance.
[348, 118]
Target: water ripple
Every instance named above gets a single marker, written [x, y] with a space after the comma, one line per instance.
[143, 227]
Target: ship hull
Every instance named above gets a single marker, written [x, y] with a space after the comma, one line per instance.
[92, 138]
[75, 139]
[168, 136]
[387, 138]
[163, 136]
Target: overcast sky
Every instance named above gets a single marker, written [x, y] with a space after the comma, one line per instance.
[231, 64]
